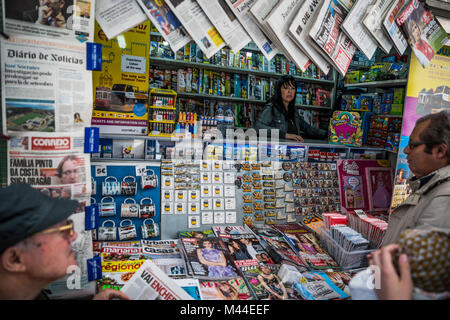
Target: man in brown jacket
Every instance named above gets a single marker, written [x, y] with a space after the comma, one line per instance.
[428, 205]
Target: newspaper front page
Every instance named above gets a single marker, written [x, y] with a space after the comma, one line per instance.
[45, 85]
[333, 42]
[241, 9]
[299, 32]
[259, 13]
[279, 20]
[69, 20]
[226, 23]
[391, 28]
[54, 163]
[198, 25]
[373, 23]
[151, 283]
[117, 16]
[166, 22]
[355, 30]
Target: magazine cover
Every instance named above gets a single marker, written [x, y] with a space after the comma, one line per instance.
[116, 273]
[372, 21]
[318, 286]
[423, 31]
[245, 249]
[345, 128]
[160, 249]
[208, 258]
[120, 89]
[332, 41]
[307, 246]
[191, 286]
[265, 284]
[166, 23]
[380, 184]
[196, 234]
[232, 289]
[353, 183]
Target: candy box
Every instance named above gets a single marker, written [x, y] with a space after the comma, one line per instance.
[345, 128]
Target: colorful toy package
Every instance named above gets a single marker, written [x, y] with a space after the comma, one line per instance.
[345, 128]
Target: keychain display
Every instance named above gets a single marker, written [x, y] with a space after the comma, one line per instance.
[128, 188]
[129, 210]
[107, 233]
[149, 230]
[107, 209]
[146, 210]
[111, 187]
[149, 181]
[127, 232]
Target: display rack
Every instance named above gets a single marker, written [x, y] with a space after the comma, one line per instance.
[162, 112]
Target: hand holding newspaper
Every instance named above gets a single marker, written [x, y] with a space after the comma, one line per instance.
[151, 283]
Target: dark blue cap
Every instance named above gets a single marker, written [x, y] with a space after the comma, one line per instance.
[25, 211]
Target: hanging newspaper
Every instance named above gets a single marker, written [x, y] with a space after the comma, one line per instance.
[259, 13]
[391, 28]
[45, 85]
[118, 16]
[151, 283]
[299, 32]
[226, 23]
[198, 25]
[241, 9]
[279, 20]
[372, 21]
[166, 22]
[56, 165]
[326, 33]
[67, 20]
[424, 33]
[347, 4]
[355, 30]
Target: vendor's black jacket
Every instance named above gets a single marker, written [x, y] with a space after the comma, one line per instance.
[275, 116]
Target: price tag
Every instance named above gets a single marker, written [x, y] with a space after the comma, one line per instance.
[100, 171]
[140, 170]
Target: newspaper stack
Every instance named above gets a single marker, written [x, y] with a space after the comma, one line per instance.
[370, 227]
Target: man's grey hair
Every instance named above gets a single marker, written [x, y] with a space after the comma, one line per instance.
[437, 131]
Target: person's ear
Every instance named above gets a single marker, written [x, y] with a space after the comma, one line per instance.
[441, 151]
[12, 260]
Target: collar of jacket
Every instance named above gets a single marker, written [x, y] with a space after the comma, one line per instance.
[423, 185]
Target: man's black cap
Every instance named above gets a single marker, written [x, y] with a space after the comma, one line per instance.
[25, 211]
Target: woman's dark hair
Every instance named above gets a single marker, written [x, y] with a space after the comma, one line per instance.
[285, 80]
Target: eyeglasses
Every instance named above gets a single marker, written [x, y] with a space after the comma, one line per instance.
[69, 172]
[67, 229]
[414, 144]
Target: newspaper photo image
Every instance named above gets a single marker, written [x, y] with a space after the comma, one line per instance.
[241, 9]
[279, 20]
[392, 30]
[151, 283]
[299, 32]
[71, 20]
[373, 23]
[226, 23]
[166, 22]
[327, 35]
[424, 33]
[45, 86]
[198, 25]
[356, 31]
[118, 16]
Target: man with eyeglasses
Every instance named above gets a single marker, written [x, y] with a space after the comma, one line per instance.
[68, 168]
[428, 155]
[36, 243]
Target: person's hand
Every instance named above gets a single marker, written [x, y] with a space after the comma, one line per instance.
[109, 294]
[44, 12]
[295, 137]
[392, 286]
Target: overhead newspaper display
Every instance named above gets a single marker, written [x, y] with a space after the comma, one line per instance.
[279, 20]
[392, 30]
[166, 22]
[299, 32]
[373, 23]
[241, 9]
[45, 85]
[333, 42]
[259, 13]
[198, 25]
[66, 20]
[118, 16]
[355, 30]
[226, 23]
